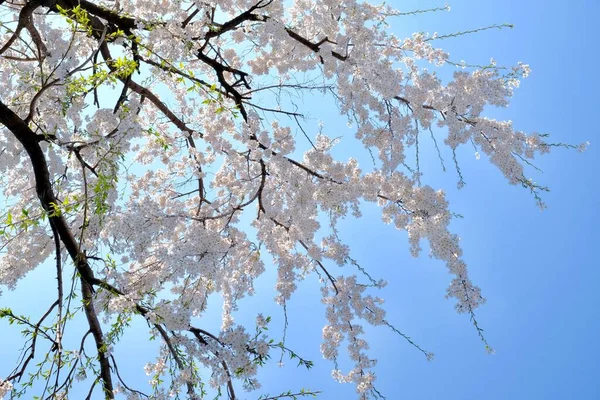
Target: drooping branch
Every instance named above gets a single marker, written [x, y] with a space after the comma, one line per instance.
[18, 373]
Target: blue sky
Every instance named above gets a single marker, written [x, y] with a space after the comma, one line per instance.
[538, 270]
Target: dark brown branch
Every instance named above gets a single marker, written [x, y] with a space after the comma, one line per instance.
[59, 302]
[143, 91]
[114, 18]
[37, 39]
[94, 323]
[235, 22]
[231, 89]
[24, 21]
[49, 202]
[189, 18]
[198, 334]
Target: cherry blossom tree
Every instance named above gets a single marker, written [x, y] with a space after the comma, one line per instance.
[157, 154]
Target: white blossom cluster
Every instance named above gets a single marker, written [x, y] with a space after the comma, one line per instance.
[5, 388]
[343, 308]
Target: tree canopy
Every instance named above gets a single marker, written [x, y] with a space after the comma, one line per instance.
[158, 154]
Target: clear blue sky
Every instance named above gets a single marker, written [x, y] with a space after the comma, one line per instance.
[538, 270]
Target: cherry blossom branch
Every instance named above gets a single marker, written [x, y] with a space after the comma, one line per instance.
[173, 351]
[45, 192]
[198, 334]
[165, 239]
[143, 91]
[292, 395]
[329, 276]
[18, 373]
[219, 69]
[69, 379]
[123, 382]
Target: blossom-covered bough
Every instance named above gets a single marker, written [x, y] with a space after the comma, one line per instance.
[154, 150]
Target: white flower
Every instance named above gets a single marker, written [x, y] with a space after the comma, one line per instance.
[5, 388]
